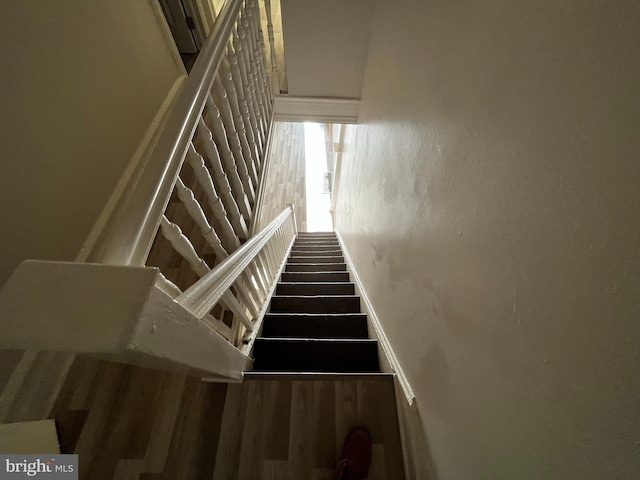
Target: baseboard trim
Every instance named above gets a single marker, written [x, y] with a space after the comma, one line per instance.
[367, 306]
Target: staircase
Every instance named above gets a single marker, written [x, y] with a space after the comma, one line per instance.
[314, 323]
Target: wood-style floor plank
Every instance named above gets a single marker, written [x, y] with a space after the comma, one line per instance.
[301, 434]
[346, 413]
[160, 437]
[260, 402]
[228, 455]
[280, 422]
[321, 414]
[324, 426]
[38, 392]
[131, 423]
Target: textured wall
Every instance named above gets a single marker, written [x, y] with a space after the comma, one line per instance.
[491, 203]
[81, 82]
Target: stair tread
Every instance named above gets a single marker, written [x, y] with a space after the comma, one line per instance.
[316, 267]
[334, 376]
[321, 263]
[316, 315]
[328, 325]
[313, 339]
[333, 297]
[316, 355]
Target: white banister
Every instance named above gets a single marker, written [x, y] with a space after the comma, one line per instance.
[62, 306]
[129, 231]
[204, 294]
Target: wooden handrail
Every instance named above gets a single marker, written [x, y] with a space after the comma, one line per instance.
[200, 298]
[130, 229]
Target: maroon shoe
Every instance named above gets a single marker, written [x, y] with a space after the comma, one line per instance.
[356, 456]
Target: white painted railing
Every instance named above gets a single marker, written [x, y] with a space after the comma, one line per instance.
[223, 113]
[241, 283]
[199, 314]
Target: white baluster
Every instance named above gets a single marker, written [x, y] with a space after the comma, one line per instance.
[231, 303]
[233, 197]
[220, 178]
[262, 268]
[231, 116]
[255, 115]
[254, 268]
[194, 209]
[252, 41]
[183, 246]
[246, 298]
[240, 117]
[255, 76]
[233, 161]
[244, 102]
[235, 338]
[275, 80]
[229, 238]
[257, 37]
[186, 196]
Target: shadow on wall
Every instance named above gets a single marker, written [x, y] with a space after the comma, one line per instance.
[419, 463]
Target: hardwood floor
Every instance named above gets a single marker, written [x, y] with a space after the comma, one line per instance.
[141, 421]
[127, 422]
[294, 429]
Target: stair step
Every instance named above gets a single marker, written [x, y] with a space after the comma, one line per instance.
[314, 259]
[322, 253]
[315, 241]
[296, 277]
[331, 376]
[303, 325]
[316, 234]
[316, 267]
[315, 304]
[315, 355]
[315, 288]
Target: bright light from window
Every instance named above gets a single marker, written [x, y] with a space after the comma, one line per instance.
[318, 204]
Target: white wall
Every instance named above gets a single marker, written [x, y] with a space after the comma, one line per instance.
[491, 204]
[81, 80]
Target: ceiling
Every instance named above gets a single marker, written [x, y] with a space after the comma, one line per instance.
[326, 45]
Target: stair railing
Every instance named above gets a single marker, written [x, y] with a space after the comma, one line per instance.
[251, 272]
[113, 301]
[222, 114]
